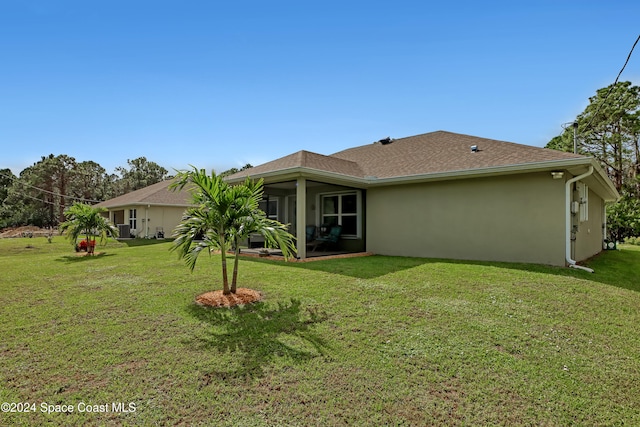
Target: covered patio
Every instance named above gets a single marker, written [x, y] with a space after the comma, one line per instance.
[313, 193]
[311, 209]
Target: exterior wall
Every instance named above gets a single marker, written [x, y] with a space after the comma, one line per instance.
[148, 219]
[166, 217]
[589, 234]
[515, 218]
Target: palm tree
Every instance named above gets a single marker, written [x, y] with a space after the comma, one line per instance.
[247, 219]
[86, 220]
[223, 215]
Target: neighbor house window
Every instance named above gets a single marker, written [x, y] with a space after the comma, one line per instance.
[133, 221]
[270, 207]
[342, 209]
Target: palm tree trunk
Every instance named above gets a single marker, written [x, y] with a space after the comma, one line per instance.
[89, 251]
[234, 278]
[225, 280]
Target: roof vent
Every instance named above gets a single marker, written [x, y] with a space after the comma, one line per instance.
[385, 141]
[474, 149]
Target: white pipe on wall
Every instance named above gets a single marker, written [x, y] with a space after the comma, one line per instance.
[604, 223]
[567, 204]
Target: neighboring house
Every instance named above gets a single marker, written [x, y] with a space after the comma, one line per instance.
[444, 195]
[152, 211]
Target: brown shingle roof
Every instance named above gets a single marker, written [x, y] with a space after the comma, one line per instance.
[441, 151]
[435, 152]
[414, 157]
[155, 194]
[305, 159]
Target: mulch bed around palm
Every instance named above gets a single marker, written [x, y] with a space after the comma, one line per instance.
[218, 299]
[88, 254]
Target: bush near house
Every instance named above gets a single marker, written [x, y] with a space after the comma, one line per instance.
[632, 241]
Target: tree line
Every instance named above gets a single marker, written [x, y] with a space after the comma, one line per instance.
[609, 130]
[41, 193]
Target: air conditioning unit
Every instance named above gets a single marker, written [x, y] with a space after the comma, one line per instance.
[124, 231]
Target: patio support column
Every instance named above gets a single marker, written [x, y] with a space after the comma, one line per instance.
[301, 217]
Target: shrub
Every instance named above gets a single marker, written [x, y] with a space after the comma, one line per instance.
[632, 241]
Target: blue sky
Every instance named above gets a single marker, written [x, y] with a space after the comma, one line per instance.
[218, 84]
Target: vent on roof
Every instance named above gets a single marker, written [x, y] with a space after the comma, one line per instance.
[385, 141]
[474, 149]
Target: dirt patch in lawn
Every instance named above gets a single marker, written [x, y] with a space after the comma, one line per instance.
[27, 231]
[218, 299]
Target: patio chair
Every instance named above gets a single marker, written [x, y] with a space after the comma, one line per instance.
[330, 239]
[311, 233]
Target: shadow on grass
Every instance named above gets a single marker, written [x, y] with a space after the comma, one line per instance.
[257, 334]
[143, 242]
[619, 268]
[616, 268]
[368, 267]
[83, 257]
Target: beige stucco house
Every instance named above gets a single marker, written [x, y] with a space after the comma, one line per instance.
[152, 211]
[444, 195]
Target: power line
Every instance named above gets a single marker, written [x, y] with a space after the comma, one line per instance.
[566, 125]
[46, 202]
[49, 192]
[614, 83]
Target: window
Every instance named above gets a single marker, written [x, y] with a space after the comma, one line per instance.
[270, 207]
[342, 209]
[133, 222]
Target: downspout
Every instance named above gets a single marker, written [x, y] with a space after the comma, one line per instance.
[146, 222]
[604, 223]
[567, 195]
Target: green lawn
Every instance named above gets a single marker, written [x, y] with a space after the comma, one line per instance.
[361, 341]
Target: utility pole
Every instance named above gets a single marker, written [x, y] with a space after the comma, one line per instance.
[575, 137]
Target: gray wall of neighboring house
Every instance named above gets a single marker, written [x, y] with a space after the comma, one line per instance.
[515, 218]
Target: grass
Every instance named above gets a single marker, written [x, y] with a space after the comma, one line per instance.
[359, 341]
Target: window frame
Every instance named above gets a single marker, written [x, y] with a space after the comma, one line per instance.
[320, 215]
[133, 219]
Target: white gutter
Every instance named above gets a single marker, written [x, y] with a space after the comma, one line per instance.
[567, 198]
[485, 171]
